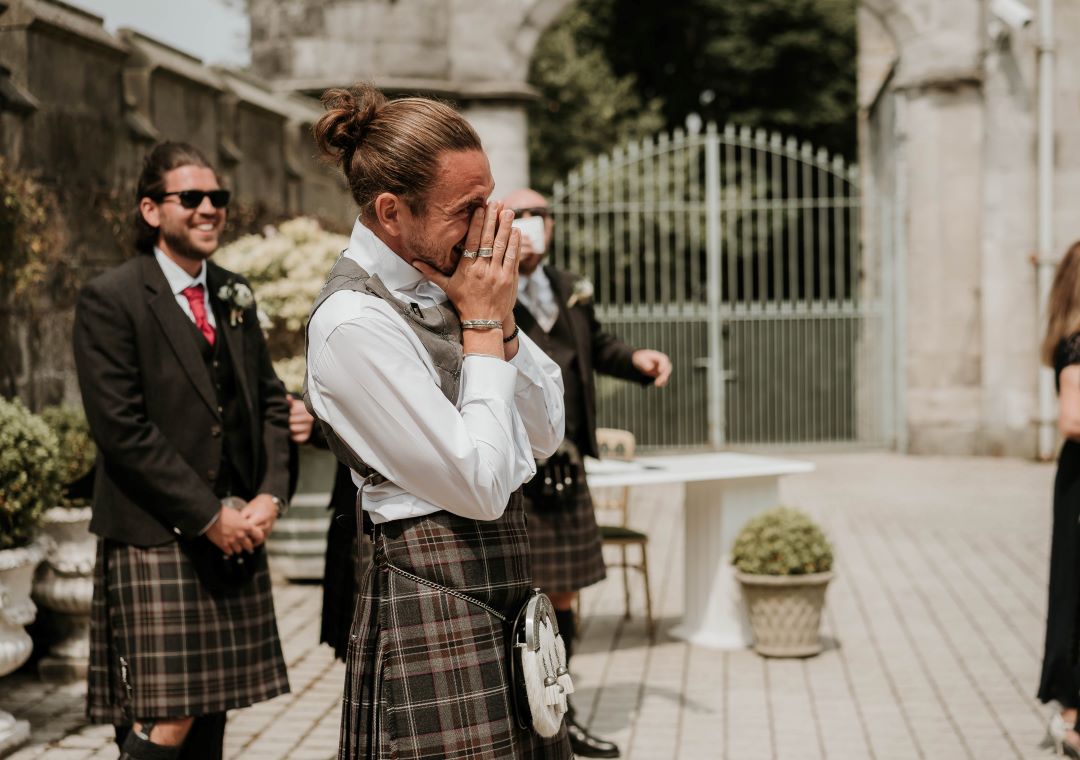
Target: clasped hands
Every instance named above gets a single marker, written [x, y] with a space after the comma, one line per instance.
[242, 530]
[484, 287]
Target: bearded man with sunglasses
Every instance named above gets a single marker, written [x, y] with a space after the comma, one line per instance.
[192, 430]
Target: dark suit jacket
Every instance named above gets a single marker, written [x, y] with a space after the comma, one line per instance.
[152, 408]
[597, 350]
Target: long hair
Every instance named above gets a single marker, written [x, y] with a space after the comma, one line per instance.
[164, 157]
[1063, 307]
[389, 146]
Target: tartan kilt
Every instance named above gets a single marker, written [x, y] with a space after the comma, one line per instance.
[164, 645]
[566, 553]
[426, 672]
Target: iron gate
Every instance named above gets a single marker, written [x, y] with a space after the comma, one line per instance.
[737, 253]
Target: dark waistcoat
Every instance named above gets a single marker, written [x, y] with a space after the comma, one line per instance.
[235, 430]
[438, 328]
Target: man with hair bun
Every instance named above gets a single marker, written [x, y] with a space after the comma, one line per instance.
[191, 425]
[423, 385]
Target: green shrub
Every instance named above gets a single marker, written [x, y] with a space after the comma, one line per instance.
[29, 473]
[287, 266]
[77, 449]
[782, 541]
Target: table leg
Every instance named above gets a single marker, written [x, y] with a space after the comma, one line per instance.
[715, 511]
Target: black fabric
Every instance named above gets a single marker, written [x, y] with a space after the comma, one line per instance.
[1060, 679]
[595, 349]
[560, 346]
[137, 748]
[236, 465]
[567, 629]
[347, 557]
[153, 410]
[206, 739]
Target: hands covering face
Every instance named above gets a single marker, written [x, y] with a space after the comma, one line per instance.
[484, 285]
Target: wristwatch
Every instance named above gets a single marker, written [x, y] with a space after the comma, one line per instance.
[281, 505]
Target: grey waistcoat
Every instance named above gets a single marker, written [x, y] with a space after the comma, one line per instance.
[437, 327]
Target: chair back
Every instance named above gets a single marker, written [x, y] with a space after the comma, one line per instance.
[614, 444]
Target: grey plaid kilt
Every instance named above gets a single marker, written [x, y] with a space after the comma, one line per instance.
[163, 645]
[566, 553]
[426, 672]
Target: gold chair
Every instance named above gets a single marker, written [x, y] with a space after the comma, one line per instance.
[619, 444]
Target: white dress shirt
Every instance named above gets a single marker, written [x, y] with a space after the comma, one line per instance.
[536, 294]
[371, 378]
[178, 280]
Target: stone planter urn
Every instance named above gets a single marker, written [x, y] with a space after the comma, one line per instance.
[16, 611]
[64, 588]
[785, 612]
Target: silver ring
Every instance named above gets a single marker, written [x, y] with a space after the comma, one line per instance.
[486, 253]
[469, 254]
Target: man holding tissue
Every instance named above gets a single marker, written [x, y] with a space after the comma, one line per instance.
[554, 308]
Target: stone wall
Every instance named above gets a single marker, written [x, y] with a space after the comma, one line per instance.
[948, 107]
[474, 53]
[79, 107]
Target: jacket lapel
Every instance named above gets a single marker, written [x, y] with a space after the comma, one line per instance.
[233, 334]
[560, 286]
[177, 328]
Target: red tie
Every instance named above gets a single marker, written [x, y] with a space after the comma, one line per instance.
[194, 294]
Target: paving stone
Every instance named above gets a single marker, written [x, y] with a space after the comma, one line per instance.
[934, 624]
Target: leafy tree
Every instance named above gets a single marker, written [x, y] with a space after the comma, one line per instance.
[584, 108]
[607, 67]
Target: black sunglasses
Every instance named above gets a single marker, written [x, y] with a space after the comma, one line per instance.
[541, 211]
[193, 198]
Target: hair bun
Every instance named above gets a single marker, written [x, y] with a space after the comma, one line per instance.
[349, 113]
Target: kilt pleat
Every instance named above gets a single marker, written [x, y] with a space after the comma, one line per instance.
[426, 674]
[566, 552]
[164, 645]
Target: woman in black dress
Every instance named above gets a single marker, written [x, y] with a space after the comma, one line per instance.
[1061, 668]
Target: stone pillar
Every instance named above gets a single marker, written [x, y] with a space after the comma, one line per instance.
[502, 129]
[949, 114]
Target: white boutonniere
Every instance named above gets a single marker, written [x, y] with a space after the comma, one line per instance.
[239, 297]
[583, 292]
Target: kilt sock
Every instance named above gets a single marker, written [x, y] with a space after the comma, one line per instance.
[205, 740]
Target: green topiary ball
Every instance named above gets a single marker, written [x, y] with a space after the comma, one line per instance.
[29, 473]
[77, 449]
[782, 541]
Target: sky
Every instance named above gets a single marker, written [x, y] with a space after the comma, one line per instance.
[214, 30]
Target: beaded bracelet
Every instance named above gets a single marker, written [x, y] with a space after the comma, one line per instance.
[512, 335]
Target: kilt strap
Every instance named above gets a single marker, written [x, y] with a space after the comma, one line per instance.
[446, 590]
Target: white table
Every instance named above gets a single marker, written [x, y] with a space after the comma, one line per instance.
[723, 491]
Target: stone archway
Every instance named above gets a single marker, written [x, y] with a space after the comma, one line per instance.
[474, 52]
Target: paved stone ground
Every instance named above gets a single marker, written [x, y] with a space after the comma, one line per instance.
[934, 629]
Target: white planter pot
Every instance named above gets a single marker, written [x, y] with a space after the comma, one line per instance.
[785, 612]
[64, 587]
[16, 611]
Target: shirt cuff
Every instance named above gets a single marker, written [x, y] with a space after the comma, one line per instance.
[210, 524]
[487, 377]
[529, 372]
